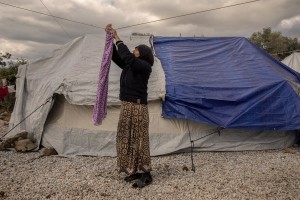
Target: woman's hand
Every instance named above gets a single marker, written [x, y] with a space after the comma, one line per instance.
[114, 33]
[108, 28]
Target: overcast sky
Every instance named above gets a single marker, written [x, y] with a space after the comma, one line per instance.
[31, 35]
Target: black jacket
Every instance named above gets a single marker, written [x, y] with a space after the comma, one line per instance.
[134, 77]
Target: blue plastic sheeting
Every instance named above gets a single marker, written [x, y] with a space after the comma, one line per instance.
[228, 82]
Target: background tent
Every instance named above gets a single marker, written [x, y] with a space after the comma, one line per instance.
[293, 61]
[65, 122]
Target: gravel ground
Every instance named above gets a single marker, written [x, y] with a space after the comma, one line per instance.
[272, 174]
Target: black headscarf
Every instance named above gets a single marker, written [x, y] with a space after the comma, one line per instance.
[146, 53]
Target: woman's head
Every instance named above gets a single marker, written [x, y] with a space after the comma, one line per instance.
[145, 53]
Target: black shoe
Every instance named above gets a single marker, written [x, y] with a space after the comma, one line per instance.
[145, 180]
[133, 177]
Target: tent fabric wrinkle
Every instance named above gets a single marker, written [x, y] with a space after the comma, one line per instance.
[100, 107]
[227, 82]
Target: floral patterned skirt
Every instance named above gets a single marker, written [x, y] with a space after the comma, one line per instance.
[133, 152]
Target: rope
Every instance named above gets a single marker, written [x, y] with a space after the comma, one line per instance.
[163, 19]
[184, 15]
[51, 15]
[56, 20]
[47, 101]
[217, 130]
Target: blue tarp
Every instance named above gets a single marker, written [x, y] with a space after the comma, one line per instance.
[227, 82]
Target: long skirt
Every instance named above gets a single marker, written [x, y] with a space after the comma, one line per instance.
[133, 152]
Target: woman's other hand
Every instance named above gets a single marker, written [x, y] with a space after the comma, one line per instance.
[114, 33]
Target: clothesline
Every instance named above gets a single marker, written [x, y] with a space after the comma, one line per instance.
[163, 19]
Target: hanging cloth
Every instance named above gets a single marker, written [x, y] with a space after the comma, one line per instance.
[3, 92]
[100, 110]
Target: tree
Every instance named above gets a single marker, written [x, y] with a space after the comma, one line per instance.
[9, 68]
[275, 43]
[3, 57]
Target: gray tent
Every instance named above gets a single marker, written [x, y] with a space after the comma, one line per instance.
[293, 61]
[65, 122]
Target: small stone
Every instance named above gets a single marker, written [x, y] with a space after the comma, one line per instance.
[9, 142]
[2, 123]
[290, 150]
[4, 114]
[49, 152]
[185, 168]
[104, 194]
[24, 145]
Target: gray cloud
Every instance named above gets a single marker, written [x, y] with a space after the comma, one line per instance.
[30, 35]
[290, 26]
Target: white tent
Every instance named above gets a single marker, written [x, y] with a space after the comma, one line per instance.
[293, 61]
[65, 122]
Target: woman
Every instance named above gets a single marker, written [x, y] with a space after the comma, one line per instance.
[133, 153]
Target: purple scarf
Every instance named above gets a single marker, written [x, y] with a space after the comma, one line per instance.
[100, 110]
